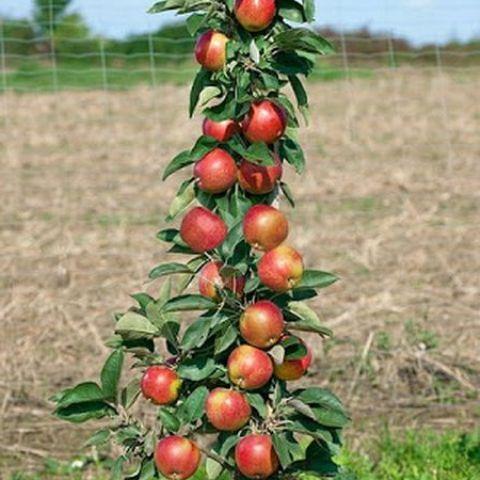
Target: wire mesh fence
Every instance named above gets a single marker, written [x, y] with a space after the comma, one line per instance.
[389, 201]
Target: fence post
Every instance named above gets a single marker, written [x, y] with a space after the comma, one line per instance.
[53, 57]
[445, 110]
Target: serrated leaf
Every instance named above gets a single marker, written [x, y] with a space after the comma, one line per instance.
[291, 10]
[100, 437]
[201, 80]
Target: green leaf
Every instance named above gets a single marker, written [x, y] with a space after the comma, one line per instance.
[303, 39]
[165, 5]
[319, 461]
[258, 403]
[168, 235]
[116, 472]
[196, 334]
[184, 197]
[318, 396]
[291, 10]
[83, 392]
[188, 302]
[308, 320]
[260, 154]
[293, 153]
[168, 420]
[82, 412]
[202, 79]
[193, 407]
[213, 468]
[100, 437]
[203, 146]
[169, 269]
[299, 91]
[222, 342]
[197, 368]
[194, 22]
[182, 160]
[316, 279]
[288, 194]
[130, 393]
[309, 9]
[110, 375]
[134, 326]
[281, 447]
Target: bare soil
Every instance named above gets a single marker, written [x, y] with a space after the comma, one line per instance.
[390, 202]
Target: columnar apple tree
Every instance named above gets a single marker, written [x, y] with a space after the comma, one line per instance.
[224, 386]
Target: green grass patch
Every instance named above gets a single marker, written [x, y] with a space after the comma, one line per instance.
[416, 455]
[33, 76]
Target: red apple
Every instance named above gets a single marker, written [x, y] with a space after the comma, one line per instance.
[211, 50]
[262, 324]
[255, 15]
[227, 410]
[280, 269]
[160, 384]
[265, 227]
[221, 131]
[293, 369]
[202, 230]
[265, 122]
[255, 456]
[249, 367]
[257, 179]
[216, 171]
[211, 279]
[177, 458]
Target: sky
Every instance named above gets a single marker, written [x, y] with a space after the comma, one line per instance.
[421, 21]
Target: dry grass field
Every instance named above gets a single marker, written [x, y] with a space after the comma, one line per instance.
[391, 202]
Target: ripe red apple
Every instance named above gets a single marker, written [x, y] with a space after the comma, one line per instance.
[216, 171]
[262, 324]
[257, 179]
[177, 458]
[293, 369]
[249, 368]
[255, 15]
[211, 279]
[265, 227]
[211, 50]
[255, 456]
[227, 410]
[202, 230]
[280, 269]
[265, 122]
[221, 131]
[160, 384]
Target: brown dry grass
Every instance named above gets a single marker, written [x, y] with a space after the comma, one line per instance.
[391, 202]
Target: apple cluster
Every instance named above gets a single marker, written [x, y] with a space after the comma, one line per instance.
[228, 372]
